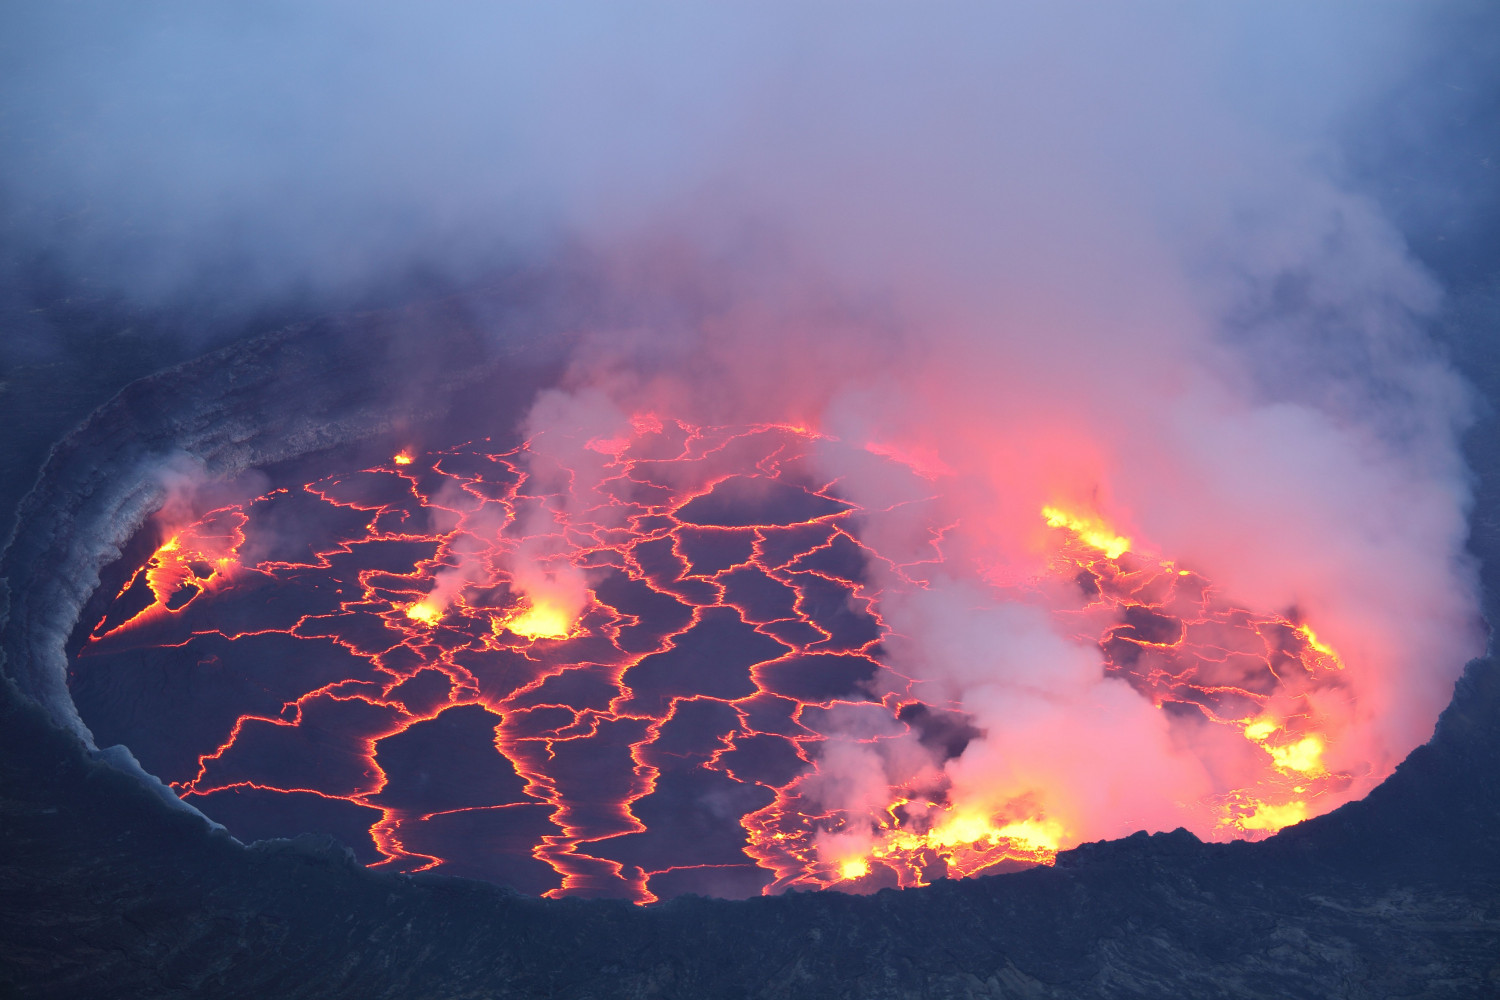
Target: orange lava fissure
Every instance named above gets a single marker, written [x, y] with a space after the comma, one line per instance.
[614, 680]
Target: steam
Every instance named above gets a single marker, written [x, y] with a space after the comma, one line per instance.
[1110, 262]
[569, 437]
[1161, 311]
[566, 436]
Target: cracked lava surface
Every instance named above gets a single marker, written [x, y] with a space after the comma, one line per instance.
[619, 676]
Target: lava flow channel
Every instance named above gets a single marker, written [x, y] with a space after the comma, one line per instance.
[621, 678]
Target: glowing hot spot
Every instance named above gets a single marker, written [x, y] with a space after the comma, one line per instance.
[962, 830]
[1304, 756]
[1090, 531]
[1038, 834]
[1320, 646]
[425, 612]
[969, 843]
[1259, 730]
[854, 868]
[1273, 817]
[402, 458]
[539, 621]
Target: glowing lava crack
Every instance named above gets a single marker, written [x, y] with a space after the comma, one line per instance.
[623, 678]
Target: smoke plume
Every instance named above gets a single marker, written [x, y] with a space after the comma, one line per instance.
[1104, 260]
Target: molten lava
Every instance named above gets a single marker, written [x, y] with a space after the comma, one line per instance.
[629, 682]
[424, 611]
[1091, 531]
[539, 621]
